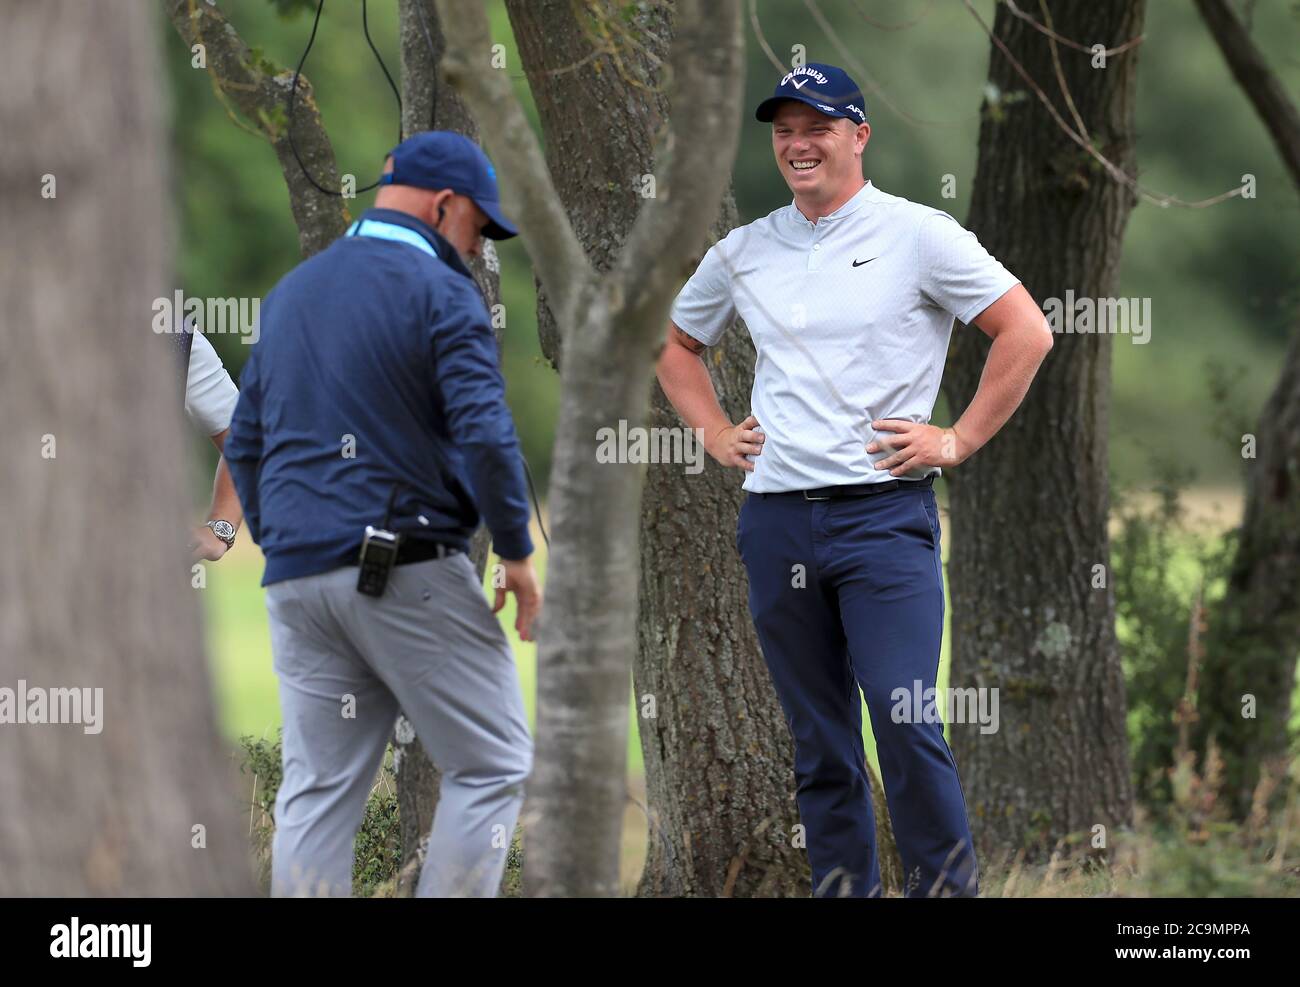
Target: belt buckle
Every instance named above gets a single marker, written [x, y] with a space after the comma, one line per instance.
[806, 497]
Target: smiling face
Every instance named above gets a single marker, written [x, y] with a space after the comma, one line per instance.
[819, 156]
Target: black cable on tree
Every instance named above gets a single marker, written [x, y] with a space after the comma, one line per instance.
[293, 93]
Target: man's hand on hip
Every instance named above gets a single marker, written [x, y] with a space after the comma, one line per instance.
[521, 579]
[915, 446]
[732, 444]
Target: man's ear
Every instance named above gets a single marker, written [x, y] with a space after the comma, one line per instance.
[437, 200]
[865, 136]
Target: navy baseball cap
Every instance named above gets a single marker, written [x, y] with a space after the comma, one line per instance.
[438, 159]
[825, 88]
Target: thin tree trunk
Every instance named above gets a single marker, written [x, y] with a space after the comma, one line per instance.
[1254, 632]
[1265, 91]
[611, 325]
[717, 753]
[98, 591]
[426, 105]
[1031, 616]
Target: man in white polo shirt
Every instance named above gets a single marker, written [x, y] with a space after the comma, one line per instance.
[850, 294]
[210, 398]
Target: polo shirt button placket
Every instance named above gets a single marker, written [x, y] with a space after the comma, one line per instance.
[814, 257]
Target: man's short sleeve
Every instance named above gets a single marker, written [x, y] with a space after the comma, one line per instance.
[210, 394]
[957, 273]
[704, 308]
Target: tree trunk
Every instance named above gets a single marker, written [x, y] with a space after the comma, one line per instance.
[428, 106]
[1029, 511]
[98, 596]
[1261, 86]
[717, 754]
[1254, 632]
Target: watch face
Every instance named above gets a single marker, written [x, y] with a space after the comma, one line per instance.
[223, 529]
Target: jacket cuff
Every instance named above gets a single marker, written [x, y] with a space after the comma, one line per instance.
[514, 544]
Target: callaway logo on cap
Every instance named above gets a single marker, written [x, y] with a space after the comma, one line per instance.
[825, 88]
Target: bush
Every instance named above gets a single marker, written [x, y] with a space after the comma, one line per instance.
[1189, 849]
[379, 842]
[378, 851]
[1163, 574]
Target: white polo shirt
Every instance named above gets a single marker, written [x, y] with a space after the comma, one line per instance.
[851, 318]
[210, 394]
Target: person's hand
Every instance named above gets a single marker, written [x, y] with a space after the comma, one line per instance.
[732, 444]
[915, 446]
[204, 545]
[521, 579]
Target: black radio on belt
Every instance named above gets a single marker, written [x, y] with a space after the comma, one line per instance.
[378, 556]
[378, 553]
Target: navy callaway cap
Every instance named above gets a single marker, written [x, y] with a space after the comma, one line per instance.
[438, 159]
[825, 88]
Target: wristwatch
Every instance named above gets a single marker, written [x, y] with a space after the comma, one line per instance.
[223, 530]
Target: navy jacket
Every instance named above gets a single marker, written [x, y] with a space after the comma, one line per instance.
[375, 364]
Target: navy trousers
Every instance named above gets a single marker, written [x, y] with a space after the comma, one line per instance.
[847, 594]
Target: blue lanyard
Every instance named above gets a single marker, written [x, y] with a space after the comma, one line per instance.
[391, 231]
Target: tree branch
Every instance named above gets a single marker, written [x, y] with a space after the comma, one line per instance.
[259, 90]
[1117, 173]
[529, 196]
[1252, 73]
[693, 159]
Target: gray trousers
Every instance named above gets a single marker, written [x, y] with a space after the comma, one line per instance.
[430, 648]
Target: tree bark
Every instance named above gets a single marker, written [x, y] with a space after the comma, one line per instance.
[99, 592]
[1029, 511]
[1254, 631]
[1264, 90]
[260, 91]
[612, 325]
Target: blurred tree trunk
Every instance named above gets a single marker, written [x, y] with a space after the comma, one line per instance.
[1029, 511]
[720, 785]
[1254, 631]
[97, 594]
[429, 106]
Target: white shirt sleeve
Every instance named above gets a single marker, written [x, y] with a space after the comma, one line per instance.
[704, 307]
[210, 394]
[957, 273]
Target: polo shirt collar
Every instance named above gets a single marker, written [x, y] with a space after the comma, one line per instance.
[440, 244]
[860, 198]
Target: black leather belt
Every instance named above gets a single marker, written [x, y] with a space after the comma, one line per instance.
[854, 489]
[420, 550]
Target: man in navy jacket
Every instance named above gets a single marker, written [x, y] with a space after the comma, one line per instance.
[374, 397]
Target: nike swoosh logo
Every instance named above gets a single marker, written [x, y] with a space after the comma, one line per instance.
[798, 85]
[859, 263]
